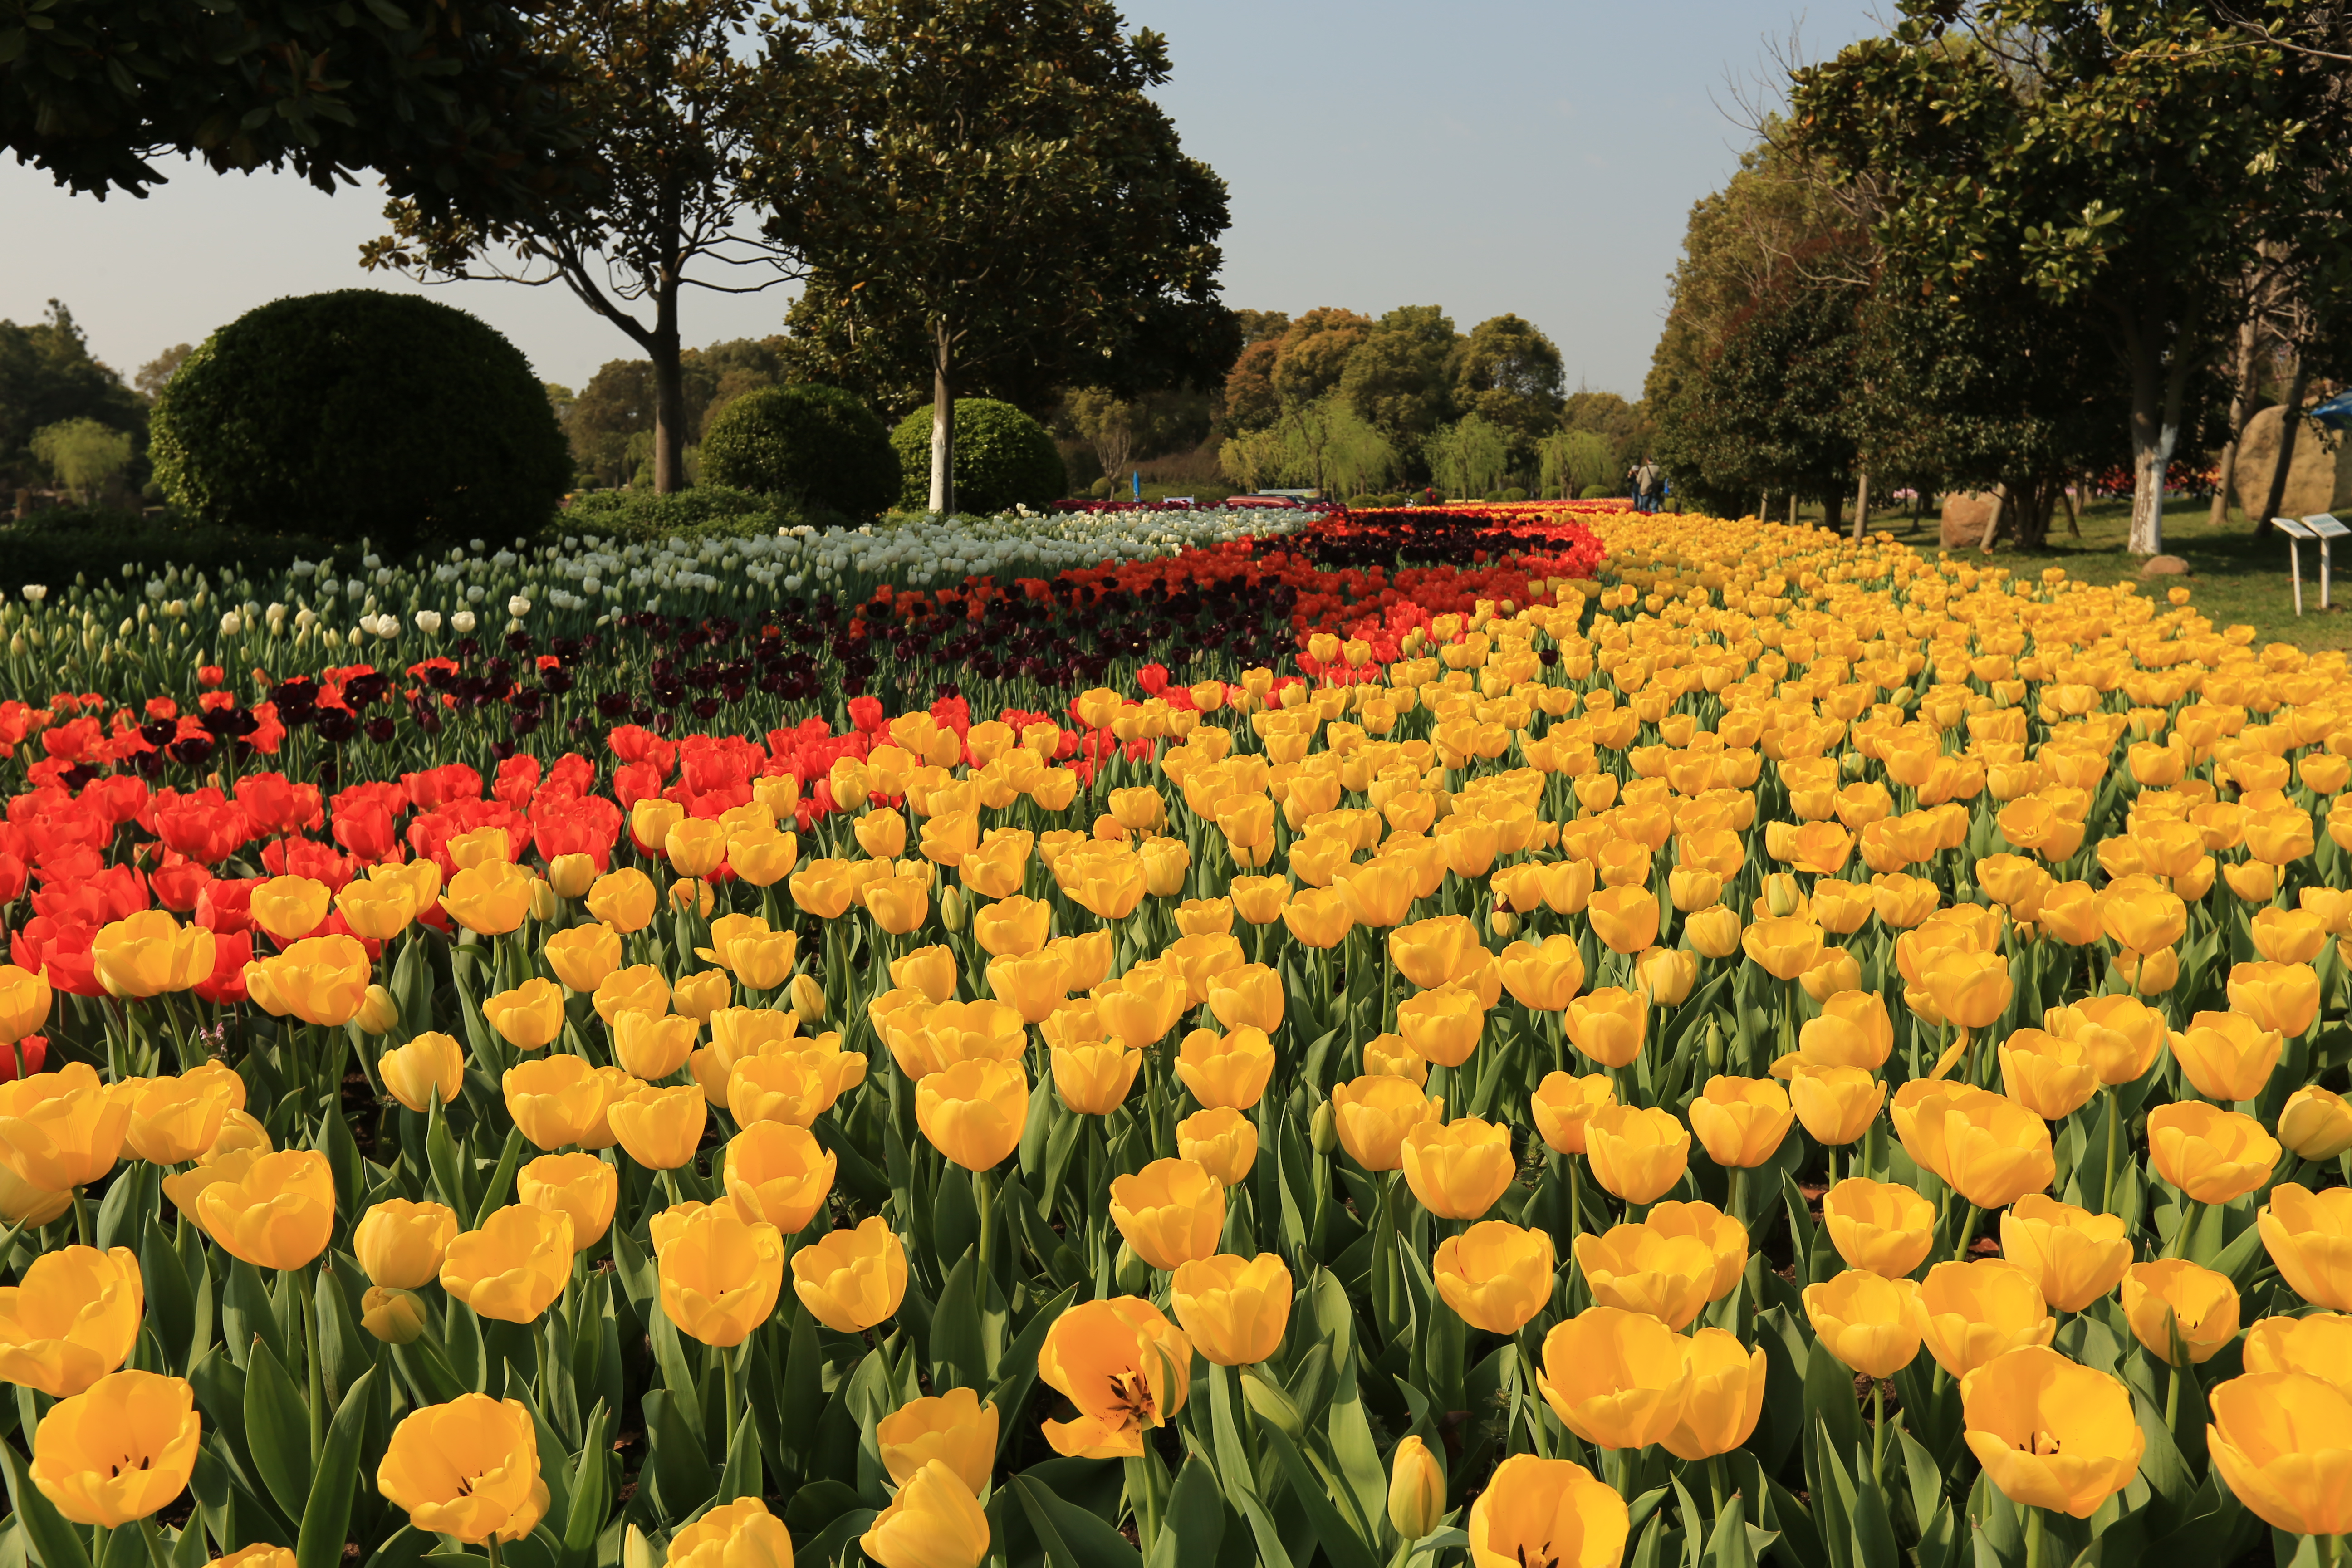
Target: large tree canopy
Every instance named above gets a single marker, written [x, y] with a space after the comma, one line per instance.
[451, 101]
[986, 183]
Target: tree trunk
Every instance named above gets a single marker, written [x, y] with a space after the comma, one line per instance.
[2158, 385]
[1861, 505]
[1792, 509]
[942, 422]
[2290, 422]
[669, 396]
[1992, 524]
[2241, 410]
[1833, 507]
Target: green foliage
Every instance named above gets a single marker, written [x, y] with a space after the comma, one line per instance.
[53, 546]
[1468, 457]
[1323, 445]
[809, 443]
[82, 454]
[1577, 462]
[457, 107]
[359, 414]
[994, 201]
[706, 511]
[1395, 379]
[1597, 492]
[1509, 374]
[47, 377]
[1004, 458]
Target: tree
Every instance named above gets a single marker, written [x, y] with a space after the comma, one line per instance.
[1106, 423]
[1469, 456]
[83, 455]
[362, 414]
[1510, 373]
[988, 179]
[453, 103]
[670, 99]
[157, 372]
[1325, 445]
[1396, 378]
[48, 376]
[2131, 158]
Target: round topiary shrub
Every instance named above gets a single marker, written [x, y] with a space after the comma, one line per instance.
[1513, 493]
[1004, 458]
[357, 415]
[810, 444]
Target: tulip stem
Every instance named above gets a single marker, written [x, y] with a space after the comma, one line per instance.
[490, 1544]
[2032, 1538]
[982, 1194]
[2114, 1124]
[1877, 1429]
[314, 1376]
[1968, 1235]
[81, 1218]
[1714, 1482]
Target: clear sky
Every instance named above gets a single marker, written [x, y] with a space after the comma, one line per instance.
[1538, 156]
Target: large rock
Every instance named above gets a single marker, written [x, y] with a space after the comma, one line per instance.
[1965, 517]
[2318, 479]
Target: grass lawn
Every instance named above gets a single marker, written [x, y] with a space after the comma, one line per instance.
[2234, 578]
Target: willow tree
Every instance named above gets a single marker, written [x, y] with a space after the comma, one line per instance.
[987, 179]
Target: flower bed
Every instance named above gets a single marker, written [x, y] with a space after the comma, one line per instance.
[1803, 1048]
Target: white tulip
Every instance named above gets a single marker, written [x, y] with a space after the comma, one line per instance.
[463, 623]
[518, 606]
[429, 622]
[232, 623]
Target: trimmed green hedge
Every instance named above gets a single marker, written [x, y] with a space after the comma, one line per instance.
[807, 444]
[1004, 458]
[361, 415]
[53, 547]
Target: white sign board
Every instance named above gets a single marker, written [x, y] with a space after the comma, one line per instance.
[2293, 528]
[2326, 526]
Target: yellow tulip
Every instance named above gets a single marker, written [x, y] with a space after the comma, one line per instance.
[72, 1319]
[974, 1111]
[1010, 928]
[118, 1450]
[468, 1469]
[2171, 1293]
[652, 1046]
[1643, 1268]
[493, 899]
[174, 1120]
[1443, 1025]
[555, 1099]
[1608, 1026]
[721, 1274]
[1318, 917]
[2125, 1035]
[1093, 1076]
[278, 1214]
[1546, 1511]
[2309, 1236]
[582, 956]
[852, 1279]
[934, 1522]
[2228, 1056]
[320, 980]
[2316, 1123]
[1171, 1212]
[2210, 1155]
[957, 1428]
[1125, 1368]
[1624, 919]
[25, 999]
[929, 970]
[1638, 1154]
[150, 954]
[623, 900]
[1259, 900]
[401, 1244]
[2282, 1442]
[739, 1534]
[1458, 1170]
[1247, 997]
[1233, 1310]
[1416, 1488]
[1563, 1105]
[791, 1086]
[2052, 1078]
[431, 1065]
[1867, 1321]
[2050, 1432]
[1783, 946]
[1883, 1228]
[1616, 1378]
[660, 1127]
[779, 1174]
[2074, 1256]
[395, 1317]
[527, 1018]
[1968, 1313]
[1740, 1121]
[1496, 1277]
[1373, 1115]
[577, 1185]
[514, 1266]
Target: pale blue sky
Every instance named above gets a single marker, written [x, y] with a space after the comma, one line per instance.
[1485, 155]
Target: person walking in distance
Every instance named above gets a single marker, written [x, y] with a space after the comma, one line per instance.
[1646, 479]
